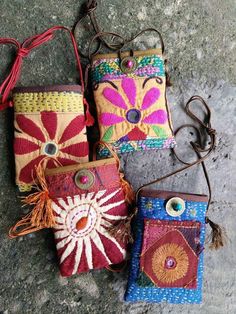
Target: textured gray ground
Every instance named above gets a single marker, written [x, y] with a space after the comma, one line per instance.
[200, 42]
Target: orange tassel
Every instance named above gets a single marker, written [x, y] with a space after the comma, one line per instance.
[41, 216]
[128, 191]
[89, 118]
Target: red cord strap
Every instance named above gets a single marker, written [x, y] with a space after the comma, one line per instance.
[3, 103]
[23, 50]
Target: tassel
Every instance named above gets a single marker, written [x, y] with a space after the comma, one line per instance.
[128, 191]
[89, 118]
[217, 235]
[41, 216]
[122, 230]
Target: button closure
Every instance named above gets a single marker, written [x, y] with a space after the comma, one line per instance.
[175, 206]
[128, 64]
[84, 179]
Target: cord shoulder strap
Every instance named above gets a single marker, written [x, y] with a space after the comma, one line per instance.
[23, 50]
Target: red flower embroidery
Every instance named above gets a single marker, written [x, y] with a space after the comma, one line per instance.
[35, 142]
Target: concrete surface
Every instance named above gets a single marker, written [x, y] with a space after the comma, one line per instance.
[200, 42]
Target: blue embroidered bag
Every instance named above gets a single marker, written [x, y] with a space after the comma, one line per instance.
[169, 234]
[167, 256]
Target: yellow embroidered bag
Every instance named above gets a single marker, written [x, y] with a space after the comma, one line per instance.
[130, 95]
[49, 120]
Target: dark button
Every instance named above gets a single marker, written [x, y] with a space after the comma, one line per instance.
[133, 115]
[50, 149]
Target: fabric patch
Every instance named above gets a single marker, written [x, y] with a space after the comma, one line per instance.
[170, 253]
[59, 136]
[163, 242]
[82, 239]
[48, 101]
[131, 105]
[137, 114]
[88, 200]
[139, 145]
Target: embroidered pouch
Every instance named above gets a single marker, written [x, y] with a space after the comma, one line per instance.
[167, 255]
[82, 203]
[49, 121]
[130, 96]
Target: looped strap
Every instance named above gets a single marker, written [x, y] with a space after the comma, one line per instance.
[23, 51]
[16, 44]
[101, 35]
[197, 146]
[218, 234]
[207, 126]
[91, 6]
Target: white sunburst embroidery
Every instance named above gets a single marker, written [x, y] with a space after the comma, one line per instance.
[83, 218]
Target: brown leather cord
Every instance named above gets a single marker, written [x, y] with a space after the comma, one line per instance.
[149, 29]
[197, 147]
[91, 7]
[218, 235]
[101, 35]
[124, 42]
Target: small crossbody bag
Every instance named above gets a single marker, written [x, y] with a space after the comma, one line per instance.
[81, 203]
[130, 94]
[169, 235]
[49, 120]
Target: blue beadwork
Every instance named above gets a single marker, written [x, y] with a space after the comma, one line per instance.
[154, 208]
[127, 147]
[104, 69]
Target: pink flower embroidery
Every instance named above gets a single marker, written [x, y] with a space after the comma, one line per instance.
[33, 142]
[134, 114]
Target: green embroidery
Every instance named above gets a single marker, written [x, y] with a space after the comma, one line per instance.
[144, 281]
[108, 134]
[160, 132]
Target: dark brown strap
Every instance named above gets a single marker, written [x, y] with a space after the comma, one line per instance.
[91, 7]
[197, 146]
[101, 36]
[149, 29]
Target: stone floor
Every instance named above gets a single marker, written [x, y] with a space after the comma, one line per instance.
[200, 41]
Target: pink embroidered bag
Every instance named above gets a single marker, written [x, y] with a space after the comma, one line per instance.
[49, 120]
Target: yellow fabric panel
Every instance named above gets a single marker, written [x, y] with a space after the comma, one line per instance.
[121, 129]
[48, 101]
